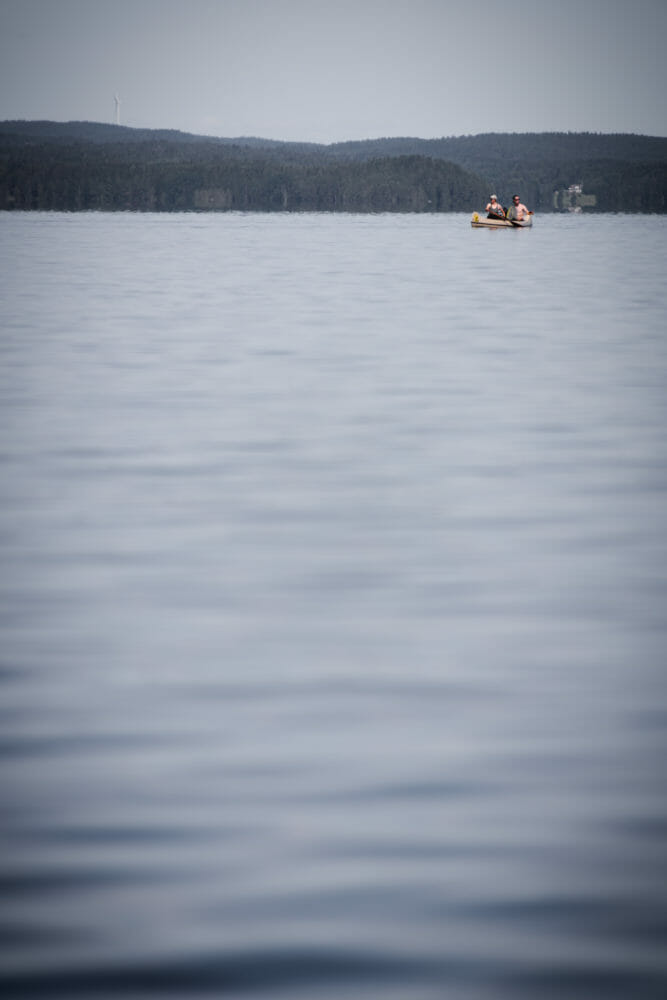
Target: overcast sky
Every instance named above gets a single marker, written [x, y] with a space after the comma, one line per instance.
[329, 70]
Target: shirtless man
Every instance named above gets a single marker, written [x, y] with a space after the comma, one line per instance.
[517, 211]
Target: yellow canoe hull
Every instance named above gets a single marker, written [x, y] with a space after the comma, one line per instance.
[480, 221]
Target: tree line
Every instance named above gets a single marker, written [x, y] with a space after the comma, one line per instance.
[86, 166]
[75, 179]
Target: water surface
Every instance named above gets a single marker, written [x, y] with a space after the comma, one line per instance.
[333, 629]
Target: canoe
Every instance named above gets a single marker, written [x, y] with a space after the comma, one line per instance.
[481, 222]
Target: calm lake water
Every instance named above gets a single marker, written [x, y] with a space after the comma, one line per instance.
[334, 607]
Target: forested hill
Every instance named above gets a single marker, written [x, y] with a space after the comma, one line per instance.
[528, 146]
[22, 132]
[89, 165]
[465, 150]
[616, 173]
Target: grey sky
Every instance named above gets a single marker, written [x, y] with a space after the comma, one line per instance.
[328, 70]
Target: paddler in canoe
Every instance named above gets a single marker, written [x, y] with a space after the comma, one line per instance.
[494, 209]
[517, 211]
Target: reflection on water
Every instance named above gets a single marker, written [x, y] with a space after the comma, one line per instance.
[334, 607]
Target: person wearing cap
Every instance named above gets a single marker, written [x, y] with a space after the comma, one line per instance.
[517, 210]
[495, 209]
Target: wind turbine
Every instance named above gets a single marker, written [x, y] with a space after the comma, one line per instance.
[117, 100]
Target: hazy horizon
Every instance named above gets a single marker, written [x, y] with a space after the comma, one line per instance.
[297, 71]
[374, 138]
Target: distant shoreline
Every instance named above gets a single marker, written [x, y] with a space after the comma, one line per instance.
[89, 166]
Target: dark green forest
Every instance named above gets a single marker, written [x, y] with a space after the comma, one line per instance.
[84, 166]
